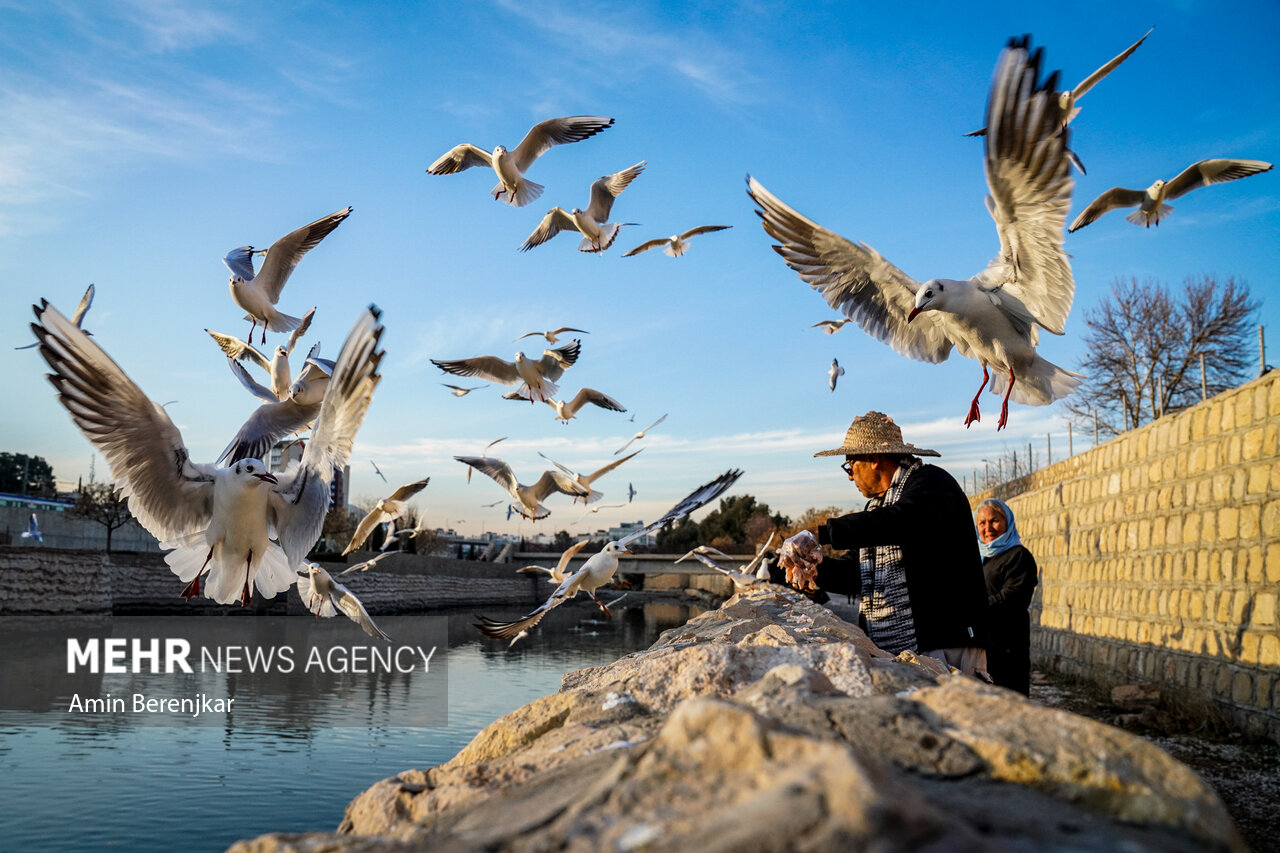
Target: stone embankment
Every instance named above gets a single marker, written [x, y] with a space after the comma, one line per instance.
[771, 724]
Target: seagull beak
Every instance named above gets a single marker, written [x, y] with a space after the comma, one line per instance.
[626, 551]
[912, 315]
[267, 478]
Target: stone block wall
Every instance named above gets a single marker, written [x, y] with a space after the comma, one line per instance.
[1159, 555]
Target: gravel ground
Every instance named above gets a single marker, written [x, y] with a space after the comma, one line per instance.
[1245, 773]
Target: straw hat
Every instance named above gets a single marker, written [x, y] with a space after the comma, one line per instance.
[875, 432]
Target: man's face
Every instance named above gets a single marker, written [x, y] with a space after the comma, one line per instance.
[867, 474]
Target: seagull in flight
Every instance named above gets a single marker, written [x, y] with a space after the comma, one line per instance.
[992, 316]
[528, 498]
[597, 508]
[242, 525]
[324, 596]
[593, 223]
[553, 335]
[834, 373]
[275, 419]
[513, 187]
[1151, 201]
[559, 572]
[386, 512]
[677, 244]
[599, 568]
[33, 529]
[566, 412]
[586, 480]
[639, 435]
[258, 293]
[369, 563]
[459, 391]
[378, 470]
[830, 326]
[277, 367]
[77, 317]
[537, 378]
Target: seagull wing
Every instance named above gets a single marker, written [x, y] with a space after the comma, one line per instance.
[553, 223]
[296, 334]
[567, 589]
[608, 187]
[563, 329]
[703, 229]
[1109, 200]
[494, 468]
[365, 527]
[253, 386]
[301, 501]
[239, 350]
[460, 157]
[854, 279]
[556, 481]
[169, 494]
[646, 246]
[1213, 172]
[86, 302]
[1088, 83]
[408, 490]
[555, 362]
[654, 424]
[695, 499]
[591, 395]
[1029, 178]
[240, 262]
[557, 464]
[555, 131]
[286, 252]
[595, 475]
[485, 366]
[346, 601]
[269, 423]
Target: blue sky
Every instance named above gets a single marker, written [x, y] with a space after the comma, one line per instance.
[140, 141]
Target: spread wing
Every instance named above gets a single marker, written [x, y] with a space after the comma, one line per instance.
[703, 229]
[169, 494]
[82, 309]
[408, 490]
[567, 589]
[591, 478]
[695, 499]
[607, 188]
[1108, 201]
[1029, 178]
[555, 131]
[485, 366]
[598, 398]
[286, 252]
[296, 334]
[239, 350]
[301, 501]
[365, 527]
[1213, 172]
[494, 468]
[460, 157]
[557, 481]
[553, 223]
[1088, 83]
[646, 246]
[555, 362]
[253, 386]
[240, 262]
[269, 423]
[854, 279]
[351, 607]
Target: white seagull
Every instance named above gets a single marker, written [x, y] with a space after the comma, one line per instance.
[275, 419]
[558, 573]
[484, 453]
[528, 498]
[677, 244]
[537, 378]
[566, 412]
[513, 187]
[992, 316]
[553, 335]
[258, 294]
[587, 479]
[459, 391]
[33, 529]
[830, 326]
[386, 512]
[324, 596]
[219, 520]
[599, 569]
[369, 563]
[597, 232]
[77, 317]
[1151, 201]
[639, 435]
[834, 373]
[277, 367]
[597, 508]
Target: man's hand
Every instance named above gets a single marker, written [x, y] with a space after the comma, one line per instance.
[799, 557]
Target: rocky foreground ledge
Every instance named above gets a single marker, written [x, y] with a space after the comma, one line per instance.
[771, 724]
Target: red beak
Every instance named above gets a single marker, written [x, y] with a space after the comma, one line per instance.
[912, 315]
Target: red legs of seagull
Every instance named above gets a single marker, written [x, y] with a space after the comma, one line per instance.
[246, 595]
[192, 589]
[603, 606]
[973, 407]
[1004, 407]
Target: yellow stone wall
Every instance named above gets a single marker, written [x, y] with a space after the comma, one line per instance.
[1159, 556]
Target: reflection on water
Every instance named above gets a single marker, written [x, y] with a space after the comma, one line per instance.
[284, 765]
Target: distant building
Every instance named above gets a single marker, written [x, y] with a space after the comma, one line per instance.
[626, 528]
[287, 452]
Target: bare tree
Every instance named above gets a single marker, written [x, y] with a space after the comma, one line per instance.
[103, 503]
[1145, 346]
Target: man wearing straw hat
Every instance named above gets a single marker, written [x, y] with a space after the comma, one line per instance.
[913, 563]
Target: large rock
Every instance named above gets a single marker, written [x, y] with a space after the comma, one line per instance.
[770, 724]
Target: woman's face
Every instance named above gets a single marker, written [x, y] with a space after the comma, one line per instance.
[991, 522]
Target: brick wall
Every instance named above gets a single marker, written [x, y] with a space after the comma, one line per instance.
[1159, 557]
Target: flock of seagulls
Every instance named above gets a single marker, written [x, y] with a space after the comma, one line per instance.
[996, 315]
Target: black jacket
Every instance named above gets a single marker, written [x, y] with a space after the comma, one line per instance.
[932, 523]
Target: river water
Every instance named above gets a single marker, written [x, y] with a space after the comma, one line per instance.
[295, 748]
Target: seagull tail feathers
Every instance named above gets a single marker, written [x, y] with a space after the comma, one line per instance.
[1043, 383]
[277, 322]
[676, 249]
[1142, 217]
[496, 630]
[526, 192]
[608, 233]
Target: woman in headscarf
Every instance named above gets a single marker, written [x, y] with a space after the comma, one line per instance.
[1010, 572]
